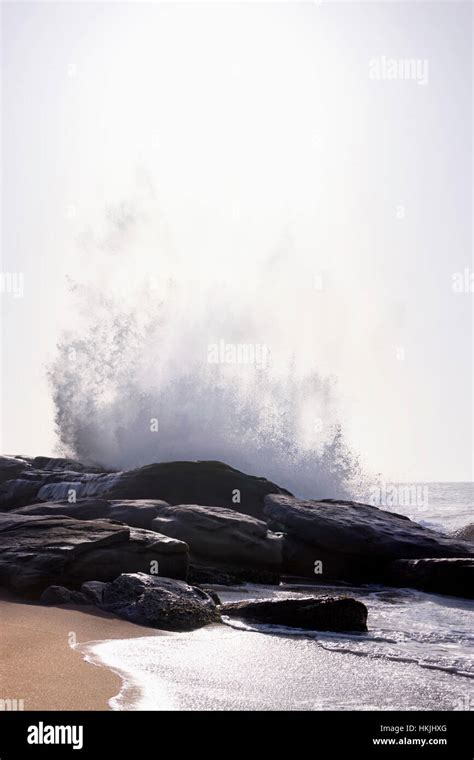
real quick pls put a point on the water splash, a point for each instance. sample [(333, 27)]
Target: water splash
[(132, 383)]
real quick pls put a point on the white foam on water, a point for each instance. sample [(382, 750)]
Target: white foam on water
[(418, 654), (136, 683), (410, 627)]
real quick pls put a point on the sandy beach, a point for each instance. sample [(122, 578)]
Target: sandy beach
[(38, 665)]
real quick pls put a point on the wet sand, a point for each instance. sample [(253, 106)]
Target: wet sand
[(38, 664)]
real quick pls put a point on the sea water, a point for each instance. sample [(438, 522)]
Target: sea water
[(417, 654)]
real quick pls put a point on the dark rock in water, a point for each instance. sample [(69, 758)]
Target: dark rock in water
[(222, 537), (159, 602), (56, 595), (309, 613), (464, 534), (37, 551), (135, 513), (93, 591), (203, 483), (230, 576), (453, 576), (343, 531)]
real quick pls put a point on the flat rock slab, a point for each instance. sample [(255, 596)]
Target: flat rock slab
[(222, 537), (309, 613), (453, 576), (217, 537), (137, 513), (350, 528), (40, 551), (159, 602)]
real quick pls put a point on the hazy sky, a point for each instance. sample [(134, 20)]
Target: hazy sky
[(278, 137)]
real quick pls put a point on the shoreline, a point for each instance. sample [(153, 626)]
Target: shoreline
[(42, 655), (81, 658)]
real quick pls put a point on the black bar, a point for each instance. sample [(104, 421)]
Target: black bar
[(316, 735)]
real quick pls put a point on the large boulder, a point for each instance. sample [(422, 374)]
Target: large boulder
[(217, 537), (356, 541), (93, 591), (311, 613), (205, 483), (221, 537), (138, 513), (454, 576), (159, 602), (144, 551), (324, 565), (40, 551)]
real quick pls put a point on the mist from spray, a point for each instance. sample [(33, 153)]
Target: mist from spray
[(133, 382)]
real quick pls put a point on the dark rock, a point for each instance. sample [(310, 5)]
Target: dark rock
[(143, 548), (59, 463), (93, 591), (230, 576), (135, 513), (213, 594), (309, 613), (60, 485), (32, 486), (352, 538), (221, 537), (56, 595), (159, 602), (37, 551), (19, 491), (11, 468), (453, 576), (322, 566), (216, 536), (204, 483), (464, 534)]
